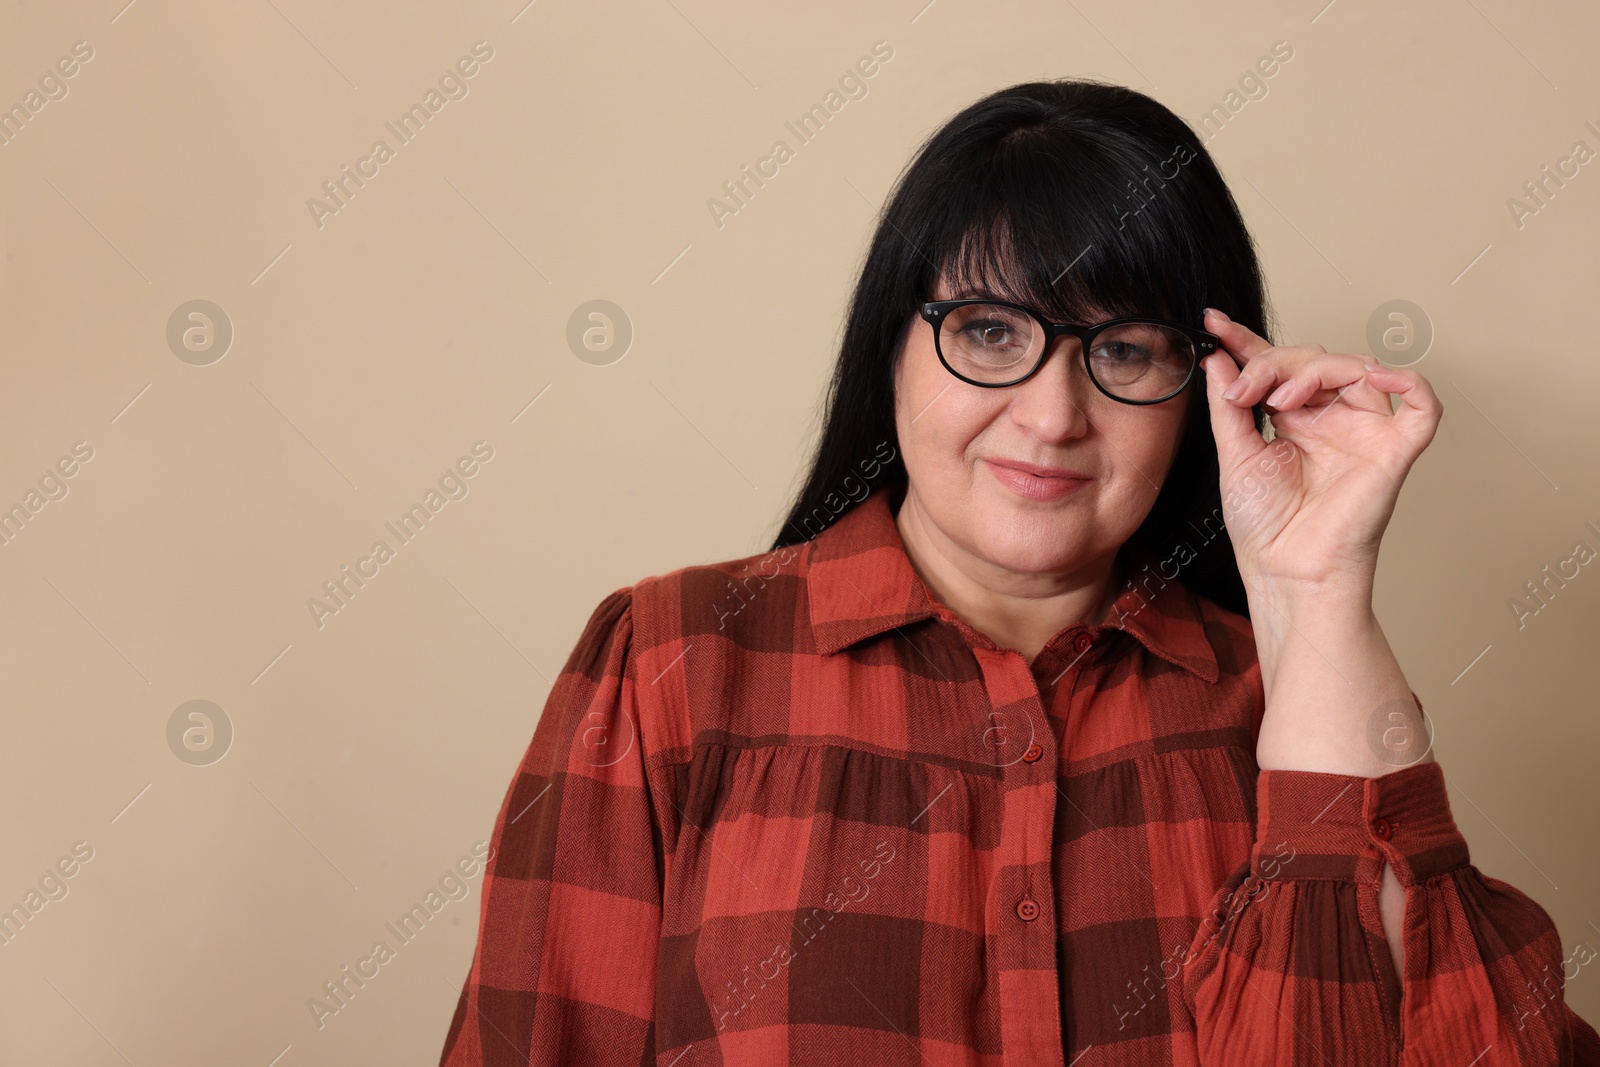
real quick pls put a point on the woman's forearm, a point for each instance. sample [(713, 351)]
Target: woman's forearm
[(1336, 701), (1336, 698)]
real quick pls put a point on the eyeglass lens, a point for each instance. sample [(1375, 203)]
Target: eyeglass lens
[(995, 344)]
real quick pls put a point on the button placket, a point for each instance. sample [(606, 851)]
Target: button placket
[(1030, 1016)]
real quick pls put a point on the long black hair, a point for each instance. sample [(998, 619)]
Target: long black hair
[(1085, 199)]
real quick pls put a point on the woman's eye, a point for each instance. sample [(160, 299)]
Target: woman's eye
[(1121, 352), (990, 334)]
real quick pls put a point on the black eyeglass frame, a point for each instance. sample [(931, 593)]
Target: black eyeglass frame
[(1205, 343)]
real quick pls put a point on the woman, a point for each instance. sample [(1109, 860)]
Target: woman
[(1057, 723)]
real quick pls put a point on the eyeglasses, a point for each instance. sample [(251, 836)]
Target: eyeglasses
[(993, 344)]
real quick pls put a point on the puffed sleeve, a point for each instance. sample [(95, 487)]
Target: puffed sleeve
[(1291, 965), (565, 966)]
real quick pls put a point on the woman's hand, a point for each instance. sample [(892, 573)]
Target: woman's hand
[(1307, 511), (1305, 515)]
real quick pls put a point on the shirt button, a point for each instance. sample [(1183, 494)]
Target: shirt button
[(1383, 828), (1034, 751), (1083, 642), (1027, 909)]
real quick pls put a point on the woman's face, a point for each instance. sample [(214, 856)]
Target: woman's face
[(954, 435)]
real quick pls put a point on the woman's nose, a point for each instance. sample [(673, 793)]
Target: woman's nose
[(1052, 403)]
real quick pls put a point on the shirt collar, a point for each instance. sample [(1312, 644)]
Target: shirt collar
[(860, 583)]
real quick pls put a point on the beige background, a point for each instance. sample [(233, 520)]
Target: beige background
[(430, 312)]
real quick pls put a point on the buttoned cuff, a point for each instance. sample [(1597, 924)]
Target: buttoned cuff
[(1313, 825)]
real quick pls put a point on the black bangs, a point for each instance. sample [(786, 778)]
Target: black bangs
[(1083, 231), (1080, 198)]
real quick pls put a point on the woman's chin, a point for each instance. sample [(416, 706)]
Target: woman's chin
[(1043, 548)]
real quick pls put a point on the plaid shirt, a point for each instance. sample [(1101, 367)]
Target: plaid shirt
[(790, 809)]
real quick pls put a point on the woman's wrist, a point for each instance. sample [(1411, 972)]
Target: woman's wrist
[(1282, 610), (1327, 670)]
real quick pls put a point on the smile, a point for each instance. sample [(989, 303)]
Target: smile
[(1034, 486)]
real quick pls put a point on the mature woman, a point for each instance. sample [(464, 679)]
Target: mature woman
[(1056, 727)]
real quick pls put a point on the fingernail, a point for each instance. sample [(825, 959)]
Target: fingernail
[(1236, 390), (1277, 395), (1219, 314)]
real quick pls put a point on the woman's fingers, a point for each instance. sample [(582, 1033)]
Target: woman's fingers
[(1233, 427), (1264, 366), (1288, 378), (1249, 370), (1241, 342), (1420, 409)]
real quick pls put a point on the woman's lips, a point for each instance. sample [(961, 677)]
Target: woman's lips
[(1034, 486)]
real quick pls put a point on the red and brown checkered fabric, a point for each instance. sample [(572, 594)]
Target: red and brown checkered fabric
[(792, 810)]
